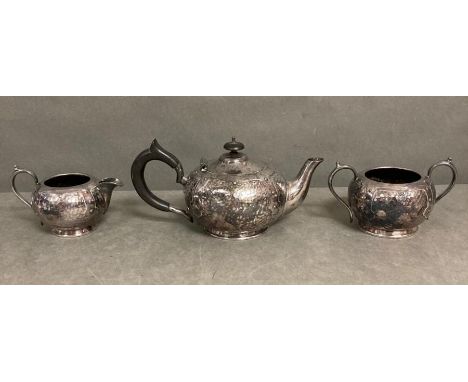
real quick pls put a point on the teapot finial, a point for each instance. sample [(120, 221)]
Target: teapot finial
[(234, 146)]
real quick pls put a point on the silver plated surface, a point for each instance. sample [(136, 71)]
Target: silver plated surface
[(391, 201), (68, 205), (231, 197)]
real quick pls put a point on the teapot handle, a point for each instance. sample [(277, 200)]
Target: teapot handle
[(452, 167), (16, 172), (338, 168), (156, 152)]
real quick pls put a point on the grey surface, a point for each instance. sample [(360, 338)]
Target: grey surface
[(314, 245), (102, 135)]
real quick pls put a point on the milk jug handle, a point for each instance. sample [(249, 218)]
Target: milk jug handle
[(16, 172)]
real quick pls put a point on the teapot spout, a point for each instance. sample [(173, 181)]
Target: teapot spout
[(107, 185), (298, 188)]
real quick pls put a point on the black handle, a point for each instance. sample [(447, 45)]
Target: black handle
[(156, 152)]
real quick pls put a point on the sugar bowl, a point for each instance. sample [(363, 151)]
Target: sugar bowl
[(391, 201)]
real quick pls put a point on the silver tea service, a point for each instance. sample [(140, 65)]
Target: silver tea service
[(71, 204), (391, 201), (231, 197)]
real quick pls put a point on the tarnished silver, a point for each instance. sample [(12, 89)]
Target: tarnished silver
[(391, 201), (231, 197), (69, 205)]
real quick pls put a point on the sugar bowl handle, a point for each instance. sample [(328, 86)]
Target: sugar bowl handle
[(448, 163), (16, 172), (156, 152), (338, 168)]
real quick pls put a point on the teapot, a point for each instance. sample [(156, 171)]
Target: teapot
[(391, 201), (231, 197), (69, 205)]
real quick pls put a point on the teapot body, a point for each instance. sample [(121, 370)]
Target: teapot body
[(230, 206)]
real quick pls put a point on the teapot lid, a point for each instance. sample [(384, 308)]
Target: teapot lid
[(234, 162)]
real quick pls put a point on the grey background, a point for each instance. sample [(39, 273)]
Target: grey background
[(102, 135)]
